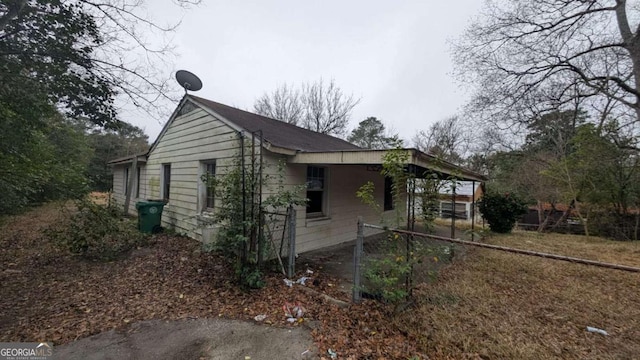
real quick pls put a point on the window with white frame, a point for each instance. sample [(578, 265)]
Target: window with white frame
[(166, 181), (459, 211), (207, 189)]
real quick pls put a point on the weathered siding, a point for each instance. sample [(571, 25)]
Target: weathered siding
[(189, 140), (198, 136), (343, 207), (118, 186)]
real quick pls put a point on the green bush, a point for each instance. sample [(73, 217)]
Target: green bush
[(96, 231), (502, 210), (251, 278), (390, 272), (386, 278)]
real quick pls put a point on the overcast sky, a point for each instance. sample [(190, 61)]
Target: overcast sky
[(394, 56)]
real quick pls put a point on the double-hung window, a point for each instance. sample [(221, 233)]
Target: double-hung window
[(166, 181), (207, 194), (316, 191)]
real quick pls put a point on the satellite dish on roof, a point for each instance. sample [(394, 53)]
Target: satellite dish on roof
[(188, 80)]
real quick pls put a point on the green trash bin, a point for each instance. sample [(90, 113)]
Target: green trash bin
[(150, 216)]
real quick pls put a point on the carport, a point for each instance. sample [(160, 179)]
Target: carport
[(419, 164)]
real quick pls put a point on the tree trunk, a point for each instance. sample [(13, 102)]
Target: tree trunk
[(540, 212), (564, 216), (635, 228), (543, 225), (583, 220), (632, 44)]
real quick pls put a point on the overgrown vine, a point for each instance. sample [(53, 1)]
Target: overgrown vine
[(240, 215), (390, 276)]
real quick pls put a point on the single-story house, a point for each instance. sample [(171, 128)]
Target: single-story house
[(466, 196), (203, 137)]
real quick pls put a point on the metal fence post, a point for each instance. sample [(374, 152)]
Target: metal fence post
[(357, 257), (291, 269), (409, 278)]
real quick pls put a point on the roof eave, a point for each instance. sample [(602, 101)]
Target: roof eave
[(376, 157), (122, 161), (278, 149), (443, 166)]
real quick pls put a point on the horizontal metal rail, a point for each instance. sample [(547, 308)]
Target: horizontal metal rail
[(274, 213), (513, 250)]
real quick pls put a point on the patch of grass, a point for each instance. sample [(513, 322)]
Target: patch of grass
[(592, 248), (512, 306), (442, 299), (460, 224), (100, 198), (486, 304)]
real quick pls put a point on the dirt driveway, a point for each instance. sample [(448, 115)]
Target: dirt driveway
[(193, 339)]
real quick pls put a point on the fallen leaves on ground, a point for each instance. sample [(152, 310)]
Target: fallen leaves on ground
[(49, 295)]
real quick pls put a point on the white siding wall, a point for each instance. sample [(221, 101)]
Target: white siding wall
[(118, 186), (198, 136), (343, 207), (190, 139)]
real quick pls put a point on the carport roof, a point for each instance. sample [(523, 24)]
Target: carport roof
[(419, 163), (142, 158)]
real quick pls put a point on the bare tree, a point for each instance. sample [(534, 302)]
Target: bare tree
[(526, 58), (85, 55), (327, 108), (317, 106), (284, 103), (447, 139)]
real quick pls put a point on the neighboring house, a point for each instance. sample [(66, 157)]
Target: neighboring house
[(467, 195), (554, 212), (204, 137)]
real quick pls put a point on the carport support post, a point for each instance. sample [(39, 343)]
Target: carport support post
[(453, 209), (357, 256), (473, 210), (291, 269), (134, 169)]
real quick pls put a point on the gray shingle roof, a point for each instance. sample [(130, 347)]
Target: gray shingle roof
[(277, 132)]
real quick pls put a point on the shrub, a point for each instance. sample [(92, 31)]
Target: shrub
[(389, 269), (386, 276), (96, 231), (251, 278), (502, 210), (607, 223)]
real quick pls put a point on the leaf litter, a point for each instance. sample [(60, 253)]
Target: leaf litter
[(49, 295)]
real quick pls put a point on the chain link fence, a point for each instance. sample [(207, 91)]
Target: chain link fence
[(389, 265)]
